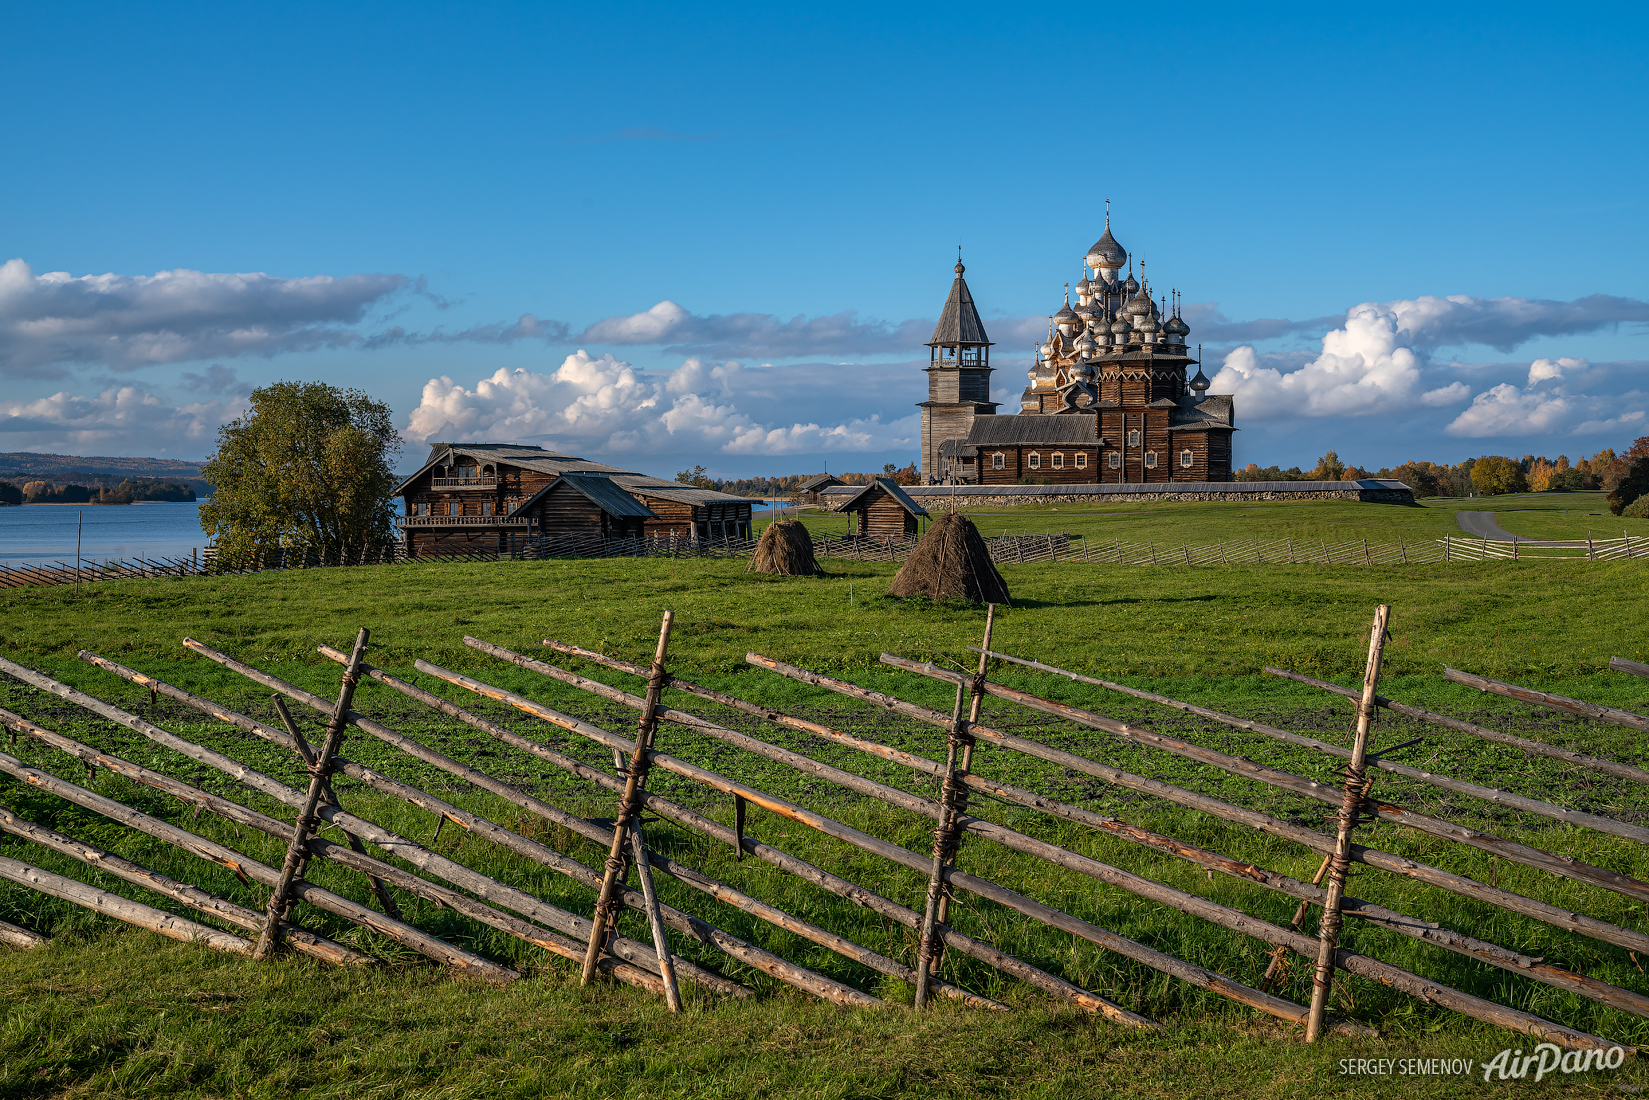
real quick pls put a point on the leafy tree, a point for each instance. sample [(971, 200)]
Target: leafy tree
[(1496, 474), (309, 465), (1329, 468), (1633, 487), (698, 477), (10, 495)]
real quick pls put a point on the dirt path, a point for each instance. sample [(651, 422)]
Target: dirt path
[(1485, 525)]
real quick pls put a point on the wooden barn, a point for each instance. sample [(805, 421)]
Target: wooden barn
[(585, 504), (810, 489), (882, 509), (491, 498)]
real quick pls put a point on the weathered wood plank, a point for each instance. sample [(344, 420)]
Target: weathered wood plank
[(13, 936), (1547, 699), (1535, 748)]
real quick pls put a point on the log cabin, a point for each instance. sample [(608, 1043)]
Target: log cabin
[(882, 509), (494, 497)]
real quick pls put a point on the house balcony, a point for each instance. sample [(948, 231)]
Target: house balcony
[(464, 482), (462, 521)]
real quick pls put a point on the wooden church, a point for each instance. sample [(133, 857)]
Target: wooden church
[(1108, 399)]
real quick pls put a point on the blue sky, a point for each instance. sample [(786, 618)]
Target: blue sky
[(745, 217)]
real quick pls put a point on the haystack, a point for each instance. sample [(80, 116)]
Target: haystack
[(951, 560), (785, 548)]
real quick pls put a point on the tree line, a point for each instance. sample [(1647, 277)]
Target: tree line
[(126, 491), (1624, 476)]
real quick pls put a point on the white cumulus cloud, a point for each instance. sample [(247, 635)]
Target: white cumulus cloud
[(1450, 394), (603, 405), (128, 321), (1507, 410), (1364, 368), (119, 420), (1542, 370)]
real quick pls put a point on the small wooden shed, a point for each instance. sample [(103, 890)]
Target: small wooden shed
[(881, 508), (585, 504), (810, 489)]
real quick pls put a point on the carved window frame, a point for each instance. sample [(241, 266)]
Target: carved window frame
[(1133, 437), (1059, 460), (999, 461), (1150, 460), (1033, 461), (1082, 460), (1187, 458), (1116, 460)]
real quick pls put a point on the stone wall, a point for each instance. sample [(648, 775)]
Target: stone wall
[(945, 497)]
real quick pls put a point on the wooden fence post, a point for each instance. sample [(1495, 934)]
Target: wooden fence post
[(297, 853), (1350, 807), (628, 819), (953, 802)]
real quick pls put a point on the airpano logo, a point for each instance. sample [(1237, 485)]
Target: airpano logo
[(1547, 1058), (1508, 1065)]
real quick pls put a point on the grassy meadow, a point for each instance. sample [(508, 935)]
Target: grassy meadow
[(108, 1010)]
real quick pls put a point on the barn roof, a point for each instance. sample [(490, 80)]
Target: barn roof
[(598, 489), (1033, 429), (646, 485), (819, 481), (891, 488)]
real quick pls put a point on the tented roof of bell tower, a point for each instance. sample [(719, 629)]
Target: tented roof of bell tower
[(959, 323)]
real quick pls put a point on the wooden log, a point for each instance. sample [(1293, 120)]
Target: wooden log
[(953, 800), (415, 854), (13, 936), (132, 912), (297, 851), (1535, 748), (1621, 664), (1488, 794), (1561, 865), (693, 926), (605, 906), (1328, 927), (462, 961), (1547, 699), (1310, 838), (330, 797), (193, 896), (1036, 910)]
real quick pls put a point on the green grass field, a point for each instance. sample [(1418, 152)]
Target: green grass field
[(112, 1011), (1538, 515)]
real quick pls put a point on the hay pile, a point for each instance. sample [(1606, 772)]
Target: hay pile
[(785, 548), (951, 560)]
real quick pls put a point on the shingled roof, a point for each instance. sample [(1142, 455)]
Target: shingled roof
[(1033, 429), (959, 323)]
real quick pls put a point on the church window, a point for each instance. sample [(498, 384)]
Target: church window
[(1186, 458), (998, 460), (1151, 459), (1035, 461), (1082, 460), (1116, 460), (1133, 438), (1059, 460)]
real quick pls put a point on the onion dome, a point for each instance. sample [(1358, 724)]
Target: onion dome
[(1106, 252), (1085, 344), (1085, 286), (1121, 326), (1131, 284), (1147, 323), (1176, 327), (1200, 383), (1140, 305), (1067, 316)]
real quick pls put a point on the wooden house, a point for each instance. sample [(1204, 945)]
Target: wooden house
[(810, 489), (492, 498), (882, 509)]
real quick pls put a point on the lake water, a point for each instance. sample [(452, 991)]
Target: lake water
[(39, 534)]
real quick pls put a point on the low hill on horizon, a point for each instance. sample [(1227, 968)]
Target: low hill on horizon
[(20, 466)]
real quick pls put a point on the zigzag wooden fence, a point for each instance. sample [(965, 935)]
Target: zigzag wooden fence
[(395, 864)]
